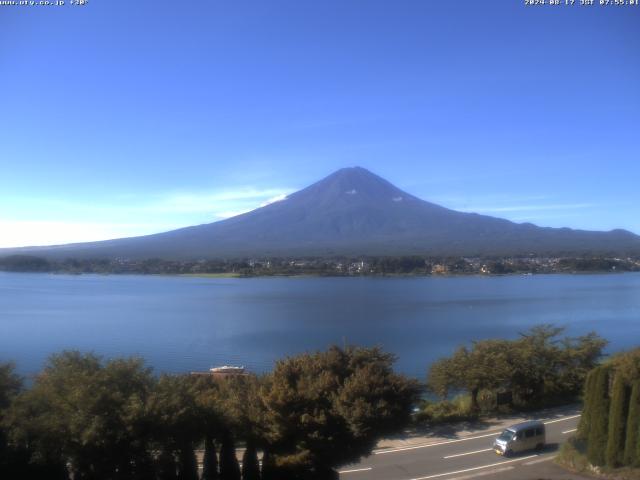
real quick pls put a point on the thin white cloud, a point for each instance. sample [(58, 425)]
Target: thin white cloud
[(532, 208), (218, 202), (19, 233), (159, 204), (277, 198), (231, 213), (548, 217), (498, 199), (132, 215)]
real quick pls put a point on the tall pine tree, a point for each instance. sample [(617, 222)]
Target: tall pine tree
[(167, 465), (585, 420), (229, 468), (250, 465), (599, 417), (268, 468), (632, 443), (617, 422), (210, 461), (187, 463)]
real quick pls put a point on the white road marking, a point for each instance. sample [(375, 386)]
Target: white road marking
[(492, 434), (355, 470), (482, 474), (570, 431), (401, 449), (467, 453), (562, 419), (540, 460), (474, 468)]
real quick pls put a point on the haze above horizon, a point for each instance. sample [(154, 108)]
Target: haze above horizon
[(129, 118)]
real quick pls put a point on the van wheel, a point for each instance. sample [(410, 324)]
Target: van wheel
[(508, 453), (539, 446)]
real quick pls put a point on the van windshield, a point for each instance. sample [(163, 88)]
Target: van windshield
[(507, 435)]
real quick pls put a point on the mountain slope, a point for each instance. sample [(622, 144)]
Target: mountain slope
[(352, 212)]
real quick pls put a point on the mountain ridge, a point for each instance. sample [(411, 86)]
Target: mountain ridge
[(351, 212)]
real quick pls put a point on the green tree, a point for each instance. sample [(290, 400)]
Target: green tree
[(584, 426), (177, 420), (214, 417), (10, 385), (243, 412), (618, 412), (488, 365), (539, 367), (598, 428), (578, 356), (632, 442), (187, 464), (229, 467), (442, 376), (250, 464), (627, 364), (327, 409), (167, 466), (610, 423), (24, 263), (537, 363), (210, 460), (88, 413), (268, 470), (11, 462)]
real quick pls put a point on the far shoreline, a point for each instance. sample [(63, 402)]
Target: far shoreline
[(364, 266), (231, 275)]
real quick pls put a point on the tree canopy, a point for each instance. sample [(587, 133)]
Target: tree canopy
[(537, 367), (115, 420), (327, 409)]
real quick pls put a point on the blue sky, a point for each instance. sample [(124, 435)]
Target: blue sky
[(129, 117)]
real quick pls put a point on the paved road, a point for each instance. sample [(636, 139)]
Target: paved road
[(462, 458)]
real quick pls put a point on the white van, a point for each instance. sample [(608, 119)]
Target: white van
[(520, 437)]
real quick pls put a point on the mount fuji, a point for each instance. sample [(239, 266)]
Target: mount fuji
[(351, 212)]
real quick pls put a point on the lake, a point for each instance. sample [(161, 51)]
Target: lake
[(181, 324)]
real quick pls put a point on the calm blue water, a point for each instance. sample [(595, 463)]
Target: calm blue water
[(181, 324)]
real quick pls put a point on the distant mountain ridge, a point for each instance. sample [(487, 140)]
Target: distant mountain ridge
[(351, 212)]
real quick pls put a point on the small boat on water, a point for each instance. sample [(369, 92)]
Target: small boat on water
[(227, 369)]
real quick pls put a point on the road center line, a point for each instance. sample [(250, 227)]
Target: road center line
[(492, 434), (467, 453), (540, 460), (570, 431), (561, 419), (401, 449), (474, 468), (484, 474), (355, 470)]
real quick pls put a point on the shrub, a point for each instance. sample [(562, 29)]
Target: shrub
[(572, 455), (455, 410)]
